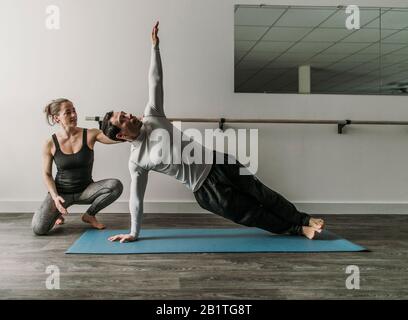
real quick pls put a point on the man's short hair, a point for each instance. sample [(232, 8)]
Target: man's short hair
[(108, 128)]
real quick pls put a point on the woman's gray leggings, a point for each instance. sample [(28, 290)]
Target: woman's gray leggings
[(99, 194)]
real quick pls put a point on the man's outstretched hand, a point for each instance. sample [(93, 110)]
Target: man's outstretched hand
[(122, 238), (155, 38)]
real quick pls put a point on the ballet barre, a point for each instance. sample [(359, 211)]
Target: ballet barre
[(341, 124)]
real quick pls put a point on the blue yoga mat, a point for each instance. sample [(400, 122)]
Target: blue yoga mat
[(208, 240)]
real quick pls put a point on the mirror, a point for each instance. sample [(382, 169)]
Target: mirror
[(336, 50)]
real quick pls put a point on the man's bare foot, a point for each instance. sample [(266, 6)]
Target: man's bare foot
[(316, 223), (309, 232), (60, 220), (92, 221)]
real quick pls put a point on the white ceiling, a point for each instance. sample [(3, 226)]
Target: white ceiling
[(272, 41)]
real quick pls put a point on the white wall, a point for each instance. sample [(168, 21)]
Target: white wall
[(99, 59)]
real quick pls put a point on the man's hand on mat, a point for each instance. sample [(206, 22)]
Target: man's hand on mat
[(155, 38), (58, 203), (122, 238)]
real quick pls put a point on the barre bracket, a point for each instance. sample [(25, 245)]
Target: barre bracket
[(221, 124), (341, 125)]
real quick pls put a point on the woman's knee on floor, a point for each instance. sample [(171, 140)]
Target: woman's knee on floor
[(40, 228)]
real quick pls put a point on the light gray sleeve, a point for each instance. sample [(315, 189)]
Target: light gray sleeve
[(155, 104), (137, 190)]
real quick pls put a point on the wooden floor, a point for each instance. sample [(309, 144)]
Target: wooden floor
[(25, 257)]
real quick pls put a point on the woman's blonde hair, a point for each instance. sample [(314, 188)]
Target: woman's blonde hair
[(52, 109)]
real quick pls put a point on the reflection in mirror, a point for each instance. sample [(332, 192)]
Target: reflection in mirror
[(343, 50)]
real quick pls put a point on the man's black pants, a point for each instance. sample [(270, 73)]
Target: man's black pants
[(243, 199)]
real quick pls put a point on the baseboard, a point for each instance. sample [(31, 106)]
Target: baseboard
[(193, 207)]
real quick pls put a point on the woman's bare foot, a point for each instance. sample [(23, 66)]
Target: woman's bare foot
[(60, 220), (92, 221), (309, 232), (316, 223)]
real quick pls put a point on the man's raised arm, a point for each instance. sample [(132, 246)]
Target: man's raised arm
[(155, 105)]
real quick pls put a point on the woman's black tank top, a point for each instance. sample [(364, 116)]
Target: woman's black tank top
[(74, 171)]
